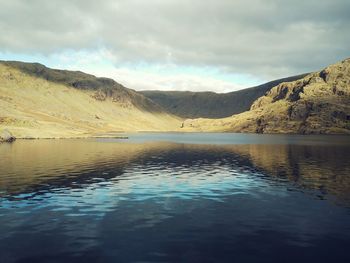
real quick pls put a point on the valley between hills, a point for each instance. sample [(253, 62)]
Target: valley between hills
[(39, 102)]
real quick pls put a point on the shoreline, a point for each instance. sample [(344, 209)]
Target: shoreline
[(121, 137), (74, 137), (126, 135)]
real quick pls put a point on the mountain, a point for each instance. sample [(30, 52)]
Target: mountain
[(39, 102), (188, 104), (319, 103), (36, 101)]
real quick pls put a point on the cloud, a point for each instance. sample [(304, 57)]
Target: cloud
[(181, 82), (264, 38), (144, 76)]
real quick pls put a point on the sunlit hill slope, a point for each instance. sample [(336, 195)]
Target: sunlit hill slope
[(319, 103), (36, 101)]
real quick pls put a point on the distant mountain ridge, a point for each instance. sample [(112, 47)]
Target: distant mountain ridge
[(188, 104)]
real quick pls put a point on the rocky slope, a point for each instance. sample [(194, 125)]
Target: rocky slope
[(188, 104), (319, 103), (36, 101)]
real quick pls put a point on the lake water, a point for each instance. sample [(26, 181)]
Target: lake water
[(176, 198)]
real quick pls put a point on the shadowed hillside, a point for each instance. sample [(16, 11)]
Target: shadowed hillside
[(188, 104)]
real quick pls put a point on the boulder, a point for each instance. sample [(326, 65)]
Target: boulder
[(6, 136)]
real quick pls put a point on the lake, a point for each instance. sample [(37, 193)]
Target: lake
[(176, 198)]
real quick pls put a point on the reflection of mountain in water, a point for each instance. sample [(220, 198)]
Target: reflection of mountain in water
[(319, 167), (29, 166)]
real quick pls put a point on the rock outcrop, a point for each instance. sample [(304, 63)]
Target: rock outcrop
[(319, 103), (6, 136)]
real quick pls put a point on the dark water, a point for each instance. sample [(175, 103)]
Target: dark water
[(176, 198)]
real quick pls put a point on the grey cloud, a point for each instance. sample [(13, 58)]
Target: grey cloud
[(267, 38)]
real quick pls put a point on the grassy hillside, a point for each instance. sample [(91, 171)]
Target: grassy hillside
[(39, 102), (209, 104), (317, 103), (103, 87), (36, 101)]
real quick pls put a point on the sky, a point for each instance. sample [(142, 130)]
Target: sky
[(212, 45)]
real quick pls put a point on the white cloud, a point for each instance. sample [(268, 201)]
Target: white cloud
[(182, 82), (142, 76), (99, 64), (265, 38)]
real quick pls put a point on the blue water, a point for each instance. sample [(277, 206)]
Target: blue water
[(176, 198), (237, 138)]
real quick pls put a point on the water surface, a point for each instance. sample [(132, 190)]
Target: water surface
[(176, 198)]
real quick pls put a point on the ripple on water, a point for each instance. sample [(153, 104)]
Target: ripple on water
[(160, 198)]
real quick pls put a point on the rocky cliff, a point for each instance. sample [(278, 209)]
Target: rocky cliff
[(319, 103)]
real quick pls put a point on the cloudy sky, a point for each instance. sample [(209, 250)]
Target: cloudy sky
[(217, 45)]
